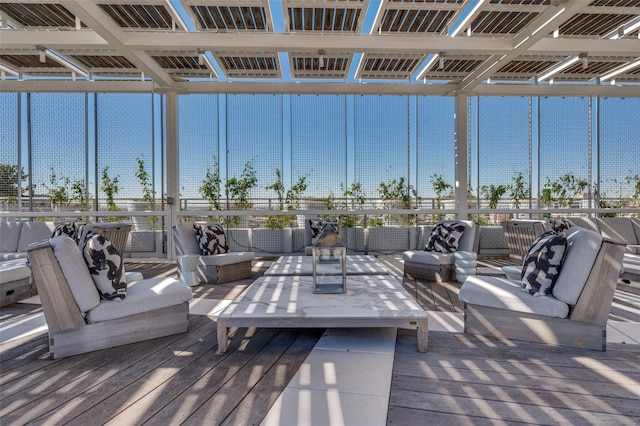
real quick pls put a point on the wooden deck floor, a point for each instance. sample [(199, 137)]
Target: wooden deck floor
[(182, 380)]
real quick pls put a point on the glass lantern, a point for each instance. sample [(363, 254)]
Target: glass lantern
[(329, 257)]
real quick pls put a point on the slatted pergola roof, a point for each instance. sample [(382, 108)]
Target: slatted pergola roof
[(323, 46)]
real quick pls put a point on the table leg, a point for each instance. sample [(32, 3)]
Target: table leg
[(423, 334), (222, 336)]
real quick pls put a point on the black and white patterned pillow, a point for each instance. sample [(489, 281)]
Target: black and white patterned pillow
[(211, 239), (445, 237), (541, 266), (68, 229), (105, 266), (559, 225)]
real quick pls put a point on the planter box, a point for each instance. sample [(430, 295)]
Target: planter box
[(239, 239), (267, 240)]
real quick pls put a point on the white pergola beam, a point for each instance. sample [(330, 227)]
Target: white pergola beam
[(566, 90)]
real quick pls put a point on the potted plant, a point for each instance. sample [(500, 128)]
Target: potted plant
[(210, 187)]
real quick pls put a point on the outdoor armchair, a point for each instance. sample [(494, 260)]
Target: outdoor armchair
[(575, 311), (438, 266), (216, 263)]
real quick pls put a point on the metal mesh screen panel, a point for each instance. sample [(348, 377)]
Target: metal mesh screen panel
[(9, 151), (503, 148), (58, 148), (254, 133), (124, 133), (619, 149), (563, 142), (435, 145), (199, 142), (381, 140), (319, 142)]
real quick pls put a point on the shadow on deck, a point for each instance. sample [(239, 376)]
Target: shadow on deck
[(181, 379)]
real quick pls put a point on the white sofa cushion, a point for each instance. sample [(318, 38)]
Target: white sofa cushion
[(582, 248), (34, 232), (428, 257), (501, 293), (618, 229), (142, 296), (14, 270), (227, 258), (586, 223), (9, 236), (76, 272), (14, 255)]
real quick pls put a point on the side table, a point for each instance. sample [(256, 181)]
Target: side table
[(188, 269)]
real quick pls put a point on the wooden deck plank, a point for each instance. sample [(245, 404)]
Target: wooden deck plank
[(120, 389), (462, 379), (60, 390), (475, 380), (220, 406), (252, 408)]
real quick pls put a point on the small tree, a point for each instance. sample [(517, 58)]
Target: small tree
[(494, 193), (443, 190), (518, 189), (210, 187), (562, 190), (58, 189), (397, 194), (10, 180), (145, 182), (240, 189), (79, 193), (110, 188), (291, 198)]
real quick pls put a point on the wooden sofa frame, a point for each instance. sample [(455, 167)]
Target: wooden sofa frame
[(69, 334), (586, 325)]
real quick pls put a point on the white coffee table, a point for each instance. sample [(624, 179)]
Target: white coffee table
[(357, 264), (289, 302)]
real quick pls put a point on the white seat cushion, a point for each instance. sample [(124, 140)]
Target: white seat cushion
[(428, 257), (501, 293), (230, 258), (142, 296)]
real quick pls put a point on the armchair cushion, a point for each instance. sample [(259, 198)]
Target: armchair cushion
[(10, 233), (429, 257), (105, 266), (76, 273), (143, 296), (230, 258), (582, 248), (501, 293), (34, 232), (542, 263), (211, 239), (445, 237)]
